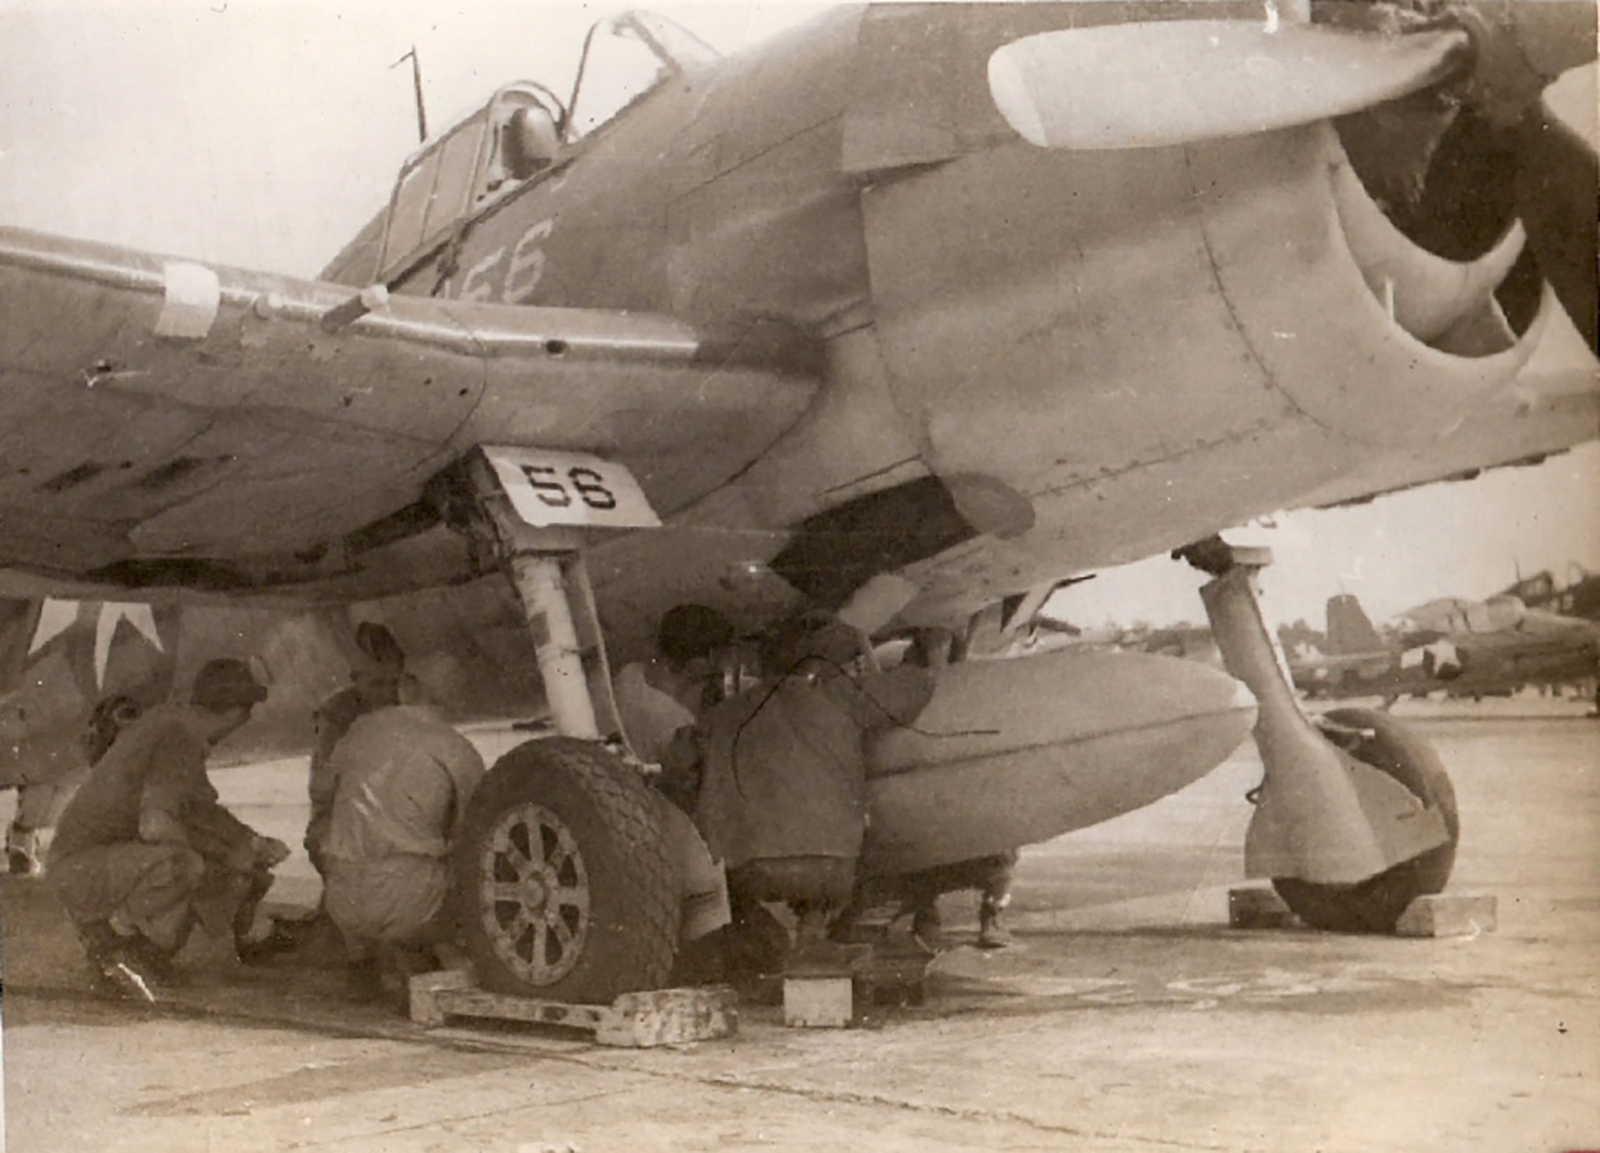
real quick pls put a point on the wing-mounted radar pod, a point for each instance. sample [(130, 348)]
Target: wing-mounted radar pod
[(1348, 835)]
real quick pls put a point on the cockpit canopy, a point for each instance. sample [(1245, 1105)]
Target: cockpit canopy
[(525, 128)]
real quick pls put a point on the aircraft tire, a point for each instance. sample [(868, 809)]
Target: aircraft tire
[(565, 886), (1375, 905)]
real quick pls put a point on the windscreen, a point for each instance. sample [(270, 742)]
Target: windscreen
[(624, 58)]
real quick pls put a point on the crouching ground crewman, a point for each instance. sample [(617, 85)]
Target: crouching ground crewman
[(145, 850), (782, 798), (405, 776), (376, 673)]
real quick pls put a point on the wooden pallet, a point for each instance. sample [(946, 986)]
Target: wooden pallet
[(634, 1020)]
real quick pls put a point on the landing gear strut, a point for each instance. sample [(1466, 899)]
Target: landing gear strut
[(1350, 829), (567, 888)]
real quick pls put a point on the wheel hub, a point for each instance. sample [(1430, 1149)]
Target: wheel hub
[(534, 894)]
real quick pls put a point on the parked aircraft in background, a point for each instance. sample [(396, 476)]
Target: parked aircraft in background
[(916, 308), (1477, 649), (1578, 597)]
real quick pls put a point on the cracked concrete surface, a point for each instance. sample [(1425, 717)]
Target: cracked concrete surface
[(1127, 1018)]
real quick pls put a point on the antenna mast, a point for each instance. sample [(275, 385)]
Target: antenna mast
[(416, 84)]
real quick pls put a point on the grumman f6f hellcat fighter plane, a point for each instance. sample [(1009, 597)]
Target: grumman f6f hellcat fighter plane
[(1460, 648), (932, 307)]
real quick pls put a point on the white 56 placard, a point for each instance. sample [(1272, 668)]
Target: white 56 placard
[(548, 487)]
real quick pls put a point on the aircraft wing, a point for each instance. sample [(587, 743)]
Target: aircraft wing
[(166, 422), (1499, 620)]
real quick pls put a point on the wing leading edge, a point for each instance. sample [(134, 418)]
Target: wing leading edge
[(166, 422)]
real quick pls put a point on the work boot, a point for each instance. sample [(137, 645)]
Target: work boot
[(992, 933), (124, 977), (278, 939), (244, 913), (154, 962), (100, 941), (397, 964), (119, 968)]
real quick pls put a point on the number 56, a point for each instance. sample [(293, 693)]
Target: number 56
[(552, 491)]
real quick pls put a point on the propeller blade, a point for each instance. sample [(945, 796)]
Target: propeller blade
[(1558, 198), (1527, 77), (1173, 82), (1520, 47)]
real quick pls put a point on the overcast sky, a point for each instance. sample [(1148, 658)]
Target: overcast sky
[(264, 134)]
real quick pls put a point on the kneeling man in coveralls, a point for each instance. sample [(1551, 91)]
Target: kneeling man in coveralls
[(404, 776), (782, 798), (145, 849)]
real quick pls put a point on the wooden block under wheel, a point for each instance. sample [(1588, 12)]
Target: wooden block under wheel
[(1449, 915), (818, 1002), (1258, 907), (635, 1020)]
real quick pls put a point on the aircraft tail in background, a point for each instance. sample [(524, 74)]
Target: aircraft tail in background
[(1350, 630)]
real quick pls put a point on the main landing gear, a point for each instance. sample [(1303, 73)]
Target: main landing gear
[(567, 890), (1356, 817)]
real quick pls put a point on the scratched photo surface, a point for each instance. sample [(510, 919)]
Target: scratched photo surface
[(1207, 391)]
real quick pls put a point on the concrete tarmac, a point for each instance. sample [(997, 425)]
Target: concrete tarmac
[(1128, 1017)]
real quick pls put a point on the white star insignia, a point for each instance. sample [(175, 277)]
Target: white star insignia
[(57, 616)]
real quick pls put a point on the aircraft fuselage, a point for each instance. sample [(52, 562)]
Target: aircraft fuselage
[(925, 346), (1061, 338)]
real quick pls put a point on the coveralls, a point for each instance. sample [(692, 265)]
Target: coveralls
[(654, 719), (651, 716), (145, 840), (782, 798), (405, 776), (333, 720)]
